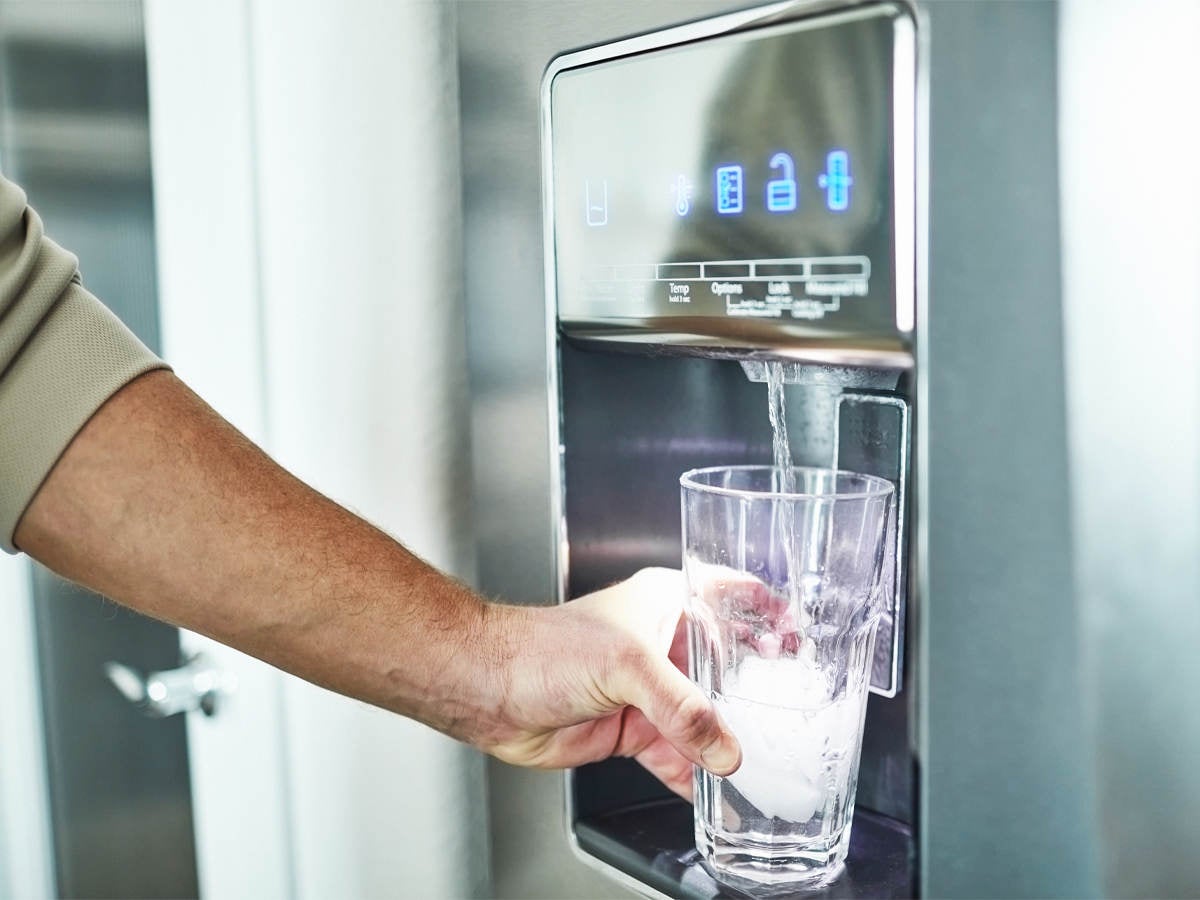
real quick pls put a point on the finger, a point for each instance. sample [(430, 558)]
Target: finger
[(770, 622), (710, 582), (678, 654), (627, 733), (666, 764), (641, 740), (654, 600), (681, 713)]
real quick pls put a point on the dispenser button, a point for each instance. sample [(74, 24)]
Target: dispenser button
[(781, 192), (595, 192), (729, 190), (836, 180)]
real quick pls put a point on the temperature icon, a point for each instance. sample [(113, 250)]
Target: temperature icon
[(682, 189)]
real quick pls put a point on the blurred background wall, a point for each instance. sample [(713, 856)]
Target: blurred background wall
[(306, 196)]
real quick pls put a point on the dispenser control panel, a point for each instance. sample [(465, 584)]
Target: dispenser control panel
[(756, 186)]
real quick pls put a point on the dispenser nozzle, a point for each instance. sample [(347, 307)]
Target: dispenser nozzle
[(843, 377)]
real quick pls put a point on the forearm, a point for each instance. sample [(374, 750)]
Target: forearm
[(166, 508), (163, 506)]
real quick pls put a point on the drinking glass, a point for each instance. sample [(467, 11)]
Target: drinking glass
[(785, 584)]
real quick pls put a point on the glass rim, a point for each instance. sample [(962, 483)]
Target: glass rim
[(876, 486)]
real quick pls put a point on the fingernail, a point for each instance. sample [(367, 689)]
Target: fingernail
[(722, 756)]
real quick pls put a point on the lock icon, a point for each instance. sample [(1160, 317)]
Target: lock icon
[(781, 192)]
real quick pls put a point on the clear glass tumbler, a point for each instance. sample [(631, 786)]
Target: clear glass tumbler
[(784, 592)]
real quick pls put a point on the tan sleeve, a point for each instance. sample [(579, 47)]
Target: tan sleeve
[(62, 354)]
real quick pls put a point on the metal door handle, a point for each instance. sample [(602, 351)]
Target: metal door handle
[(197, 684)]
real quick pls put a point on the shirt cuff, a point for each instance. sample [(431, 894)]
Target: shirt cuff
[(79, 356)]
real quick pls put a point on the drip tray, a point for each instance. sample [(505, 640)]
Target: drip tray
[(653, 843)]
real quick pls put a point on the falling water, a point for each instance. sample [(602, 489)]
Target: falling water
[(777, 411), (785, 512)]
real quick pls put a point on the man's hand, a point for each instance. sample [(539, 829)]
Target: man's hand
[(601, 676)]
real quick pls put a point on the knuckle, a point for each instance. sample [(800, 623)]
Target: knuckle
[(631, 660), (655, 578)]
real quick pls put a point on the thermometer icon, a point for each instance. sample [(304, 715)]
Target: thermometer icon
[(683, 195)]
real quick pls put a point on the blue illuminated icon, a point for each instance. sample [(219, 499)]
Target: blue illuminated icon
[(729, 190), (595, 194), (781, 192), (682, 189), (836, 180)]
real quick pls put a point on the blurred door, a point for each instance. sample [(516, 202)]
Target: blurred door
[(142, 133), (75, 136), (137, 805)]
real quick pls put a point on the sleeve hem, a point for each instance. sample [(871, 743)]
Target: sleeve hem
[(79, 357)]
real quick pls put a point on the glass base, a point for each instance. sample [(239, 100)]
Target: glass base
[(776, 868)]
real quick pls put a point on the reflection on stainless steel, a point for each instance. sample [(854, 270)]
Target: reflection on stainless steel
[(742, 340)]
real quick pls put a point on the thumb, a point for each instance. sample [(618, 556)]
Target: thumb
[(681, 713)]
